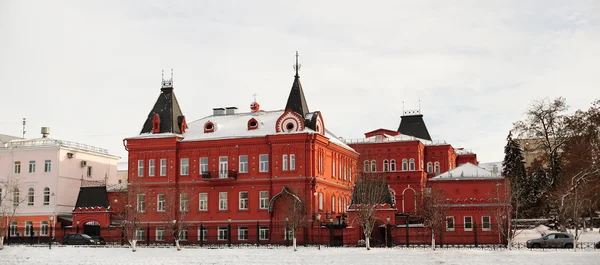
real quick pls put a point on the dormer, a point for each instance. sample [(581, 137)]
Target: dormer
[(209, 127), (252, 124), (289, 121), (156, 123)]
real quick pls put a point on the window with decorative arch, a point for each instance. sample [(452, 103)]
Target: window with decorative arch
[(411, 164), (30, 197), (209, 127), (366, 166), (386, 165), (252, 124), (373, 166), (436, 168), (429, 167), (46, 196), (404, 164), (393, 165)]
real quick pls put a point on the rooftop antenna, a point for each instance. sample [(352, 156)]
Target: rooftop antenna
[(24, 123), (402, 107), (297, 65), (254, 95), (419, 105)]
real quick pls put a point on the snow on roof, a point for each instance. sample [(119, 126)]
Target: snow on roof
[(155, 135), (462, 151), (494, 167), (467, 171), (391, 138), (117, 187), (7, 138), (54, 142)]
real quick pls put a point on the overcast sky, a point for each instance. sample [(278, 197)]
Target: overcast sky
[(91, 70)]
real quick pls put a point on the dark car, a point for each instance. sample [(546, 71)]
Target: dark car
[(597, 245), (78, 239), (553, 240), (99, 240)]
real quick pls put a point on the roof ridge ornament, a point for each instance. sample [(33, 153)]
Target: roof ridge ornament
[(297, 65), (167, 83)]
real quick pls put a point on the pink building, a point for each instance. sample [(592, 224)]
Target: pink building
[(41, 177)]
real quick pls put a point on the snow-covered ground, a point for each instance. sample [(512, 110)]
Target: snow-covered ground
[(20, 255), (523, 236)]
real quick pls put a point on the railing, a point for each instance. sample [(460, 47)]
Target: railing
[(53, 142), (391, 140), (229, 174)]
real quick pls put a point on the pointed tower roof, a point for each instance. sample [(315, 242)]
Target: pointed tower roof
[(296, 100), (412, 123), (166, 112)]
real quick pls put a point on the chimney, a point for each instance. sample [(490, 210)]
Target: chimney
[(45, 132), (218, 111), (230, 110)]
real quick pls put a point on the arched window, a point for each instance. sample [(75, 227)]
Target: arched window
[(437, 168), (373, 166), (340, 205), (404, 164), (411, 164), (386, 166), (429, 167), (16, 197), (46, 196), (30, 197), (332, 204), (366, 169), (392, 165)]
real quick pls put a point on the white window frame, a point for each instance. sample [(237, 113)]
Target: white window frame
[(184, 202), (203, 165), (333, 168), (284, 163), (222, 234), (429, 168), (333, 203), (386, 165), (183, 234), (292, 162), (243, 202), (163, 167), (263, 233), (223, 201), (263, 162), (393, 165), (160, 234), (46, 200), (140, 203), (243, 164), (203, 201), (139, 234), (242, 233), (44, 228), (28, 228), (264, 199), (151, 167), (202, 231), (404, 164), (30, 197), (32, 166), (13, 228), (160, 204), (411, 164), (373, 166), (320, 201), (140, 168), (223, 167), (436, 168), (366, 166), (448, 228), (184, 169), (470, 223), (47, 165), (17, 167), (484, 223)]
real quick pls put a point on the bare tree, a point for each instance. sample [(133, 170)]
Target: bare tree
[(509, 200), (434, 211), (294, 212), (370, 191), (10, 200), (132, 212)]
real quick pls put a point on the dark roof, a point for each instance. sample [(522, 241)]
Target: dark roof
[(414, 125), (296, 100), (168, 111), (92, 197), (372, 184)]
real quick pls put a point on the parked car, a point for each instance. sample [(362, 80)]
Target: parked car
[(78, 239), (597, 245), (553, 240), (99, 240)]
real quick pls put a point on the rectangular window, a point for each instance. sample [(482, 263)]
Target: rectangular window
[(449, 223), (223, 235), (320, 201), (44, 228), (183, 202), (242, 233), (284, 163), (32, 166), (202, 234), (287, 235), (203, 202), (264, 163), (160, 205), (139, 234), (185, 167), (47, 165), (140, 168), (264, 200), (203, 165), (28, 228), (292, 162), (160, 234), (243, 164), (163, 167), (183, 234), (89, 171), (468, 223), (332, 204), (17, 167), (151, 167), (263, 233), (333, 168), (223, 167), (141, 203), (13, 228), (244, 200), (222, 200), (485, 223)]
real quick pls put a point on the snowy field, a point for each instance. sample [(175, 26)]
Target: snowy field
[(147, 256)]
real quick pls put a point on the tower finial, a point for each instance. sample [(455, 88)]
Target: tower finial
[(297, 65), (167, 83)]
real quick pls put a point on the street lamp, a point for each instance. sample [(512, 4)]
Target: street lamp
[(319, 231), (50, 235)]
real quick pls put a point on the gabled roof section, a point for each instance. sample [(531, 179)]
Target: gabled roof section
[(92, 197), (296, 100), (7, 138), (411, 123), (168, 110), (467, 171)]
